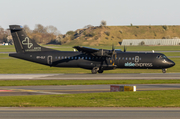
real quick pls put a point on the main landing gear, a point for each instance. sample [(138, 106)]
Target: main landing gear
[(96, 69), (164, 70)]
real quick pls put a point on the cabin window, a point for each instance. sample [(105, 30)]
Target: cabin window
[(71, 57), (136, 58), (116, 58), (129, 58), (82, 57), (79, 57), (75, 57), (86, 58), (139, 58), (59, 57), (133, 58), (65, 57), (56, 57), (62, 57), (89, 57), (119, 58), (123, 58), (126, 58)]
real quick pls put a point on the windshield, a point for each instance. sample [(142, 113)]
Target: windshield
[(161, 57)]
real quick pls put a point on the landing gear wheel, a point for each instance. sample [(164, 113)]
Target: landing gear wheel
[(164, 70), (100, 71), (94, 70)]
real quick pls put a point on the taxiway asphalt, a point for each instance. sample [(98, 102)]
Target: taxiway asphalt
[(71, 89), (68, 89), (89, 113), (89, 76)]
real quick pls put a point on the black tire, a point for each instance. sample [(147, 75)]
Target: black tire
[(164, 70), (100, 71), (94, 71)]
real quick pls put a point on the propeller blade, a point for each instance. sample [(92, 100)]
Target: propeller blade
[(113, 48), (124, 48), (113, 54)]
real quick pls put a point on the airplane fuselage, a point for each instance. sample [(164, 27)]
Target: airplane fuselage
[(143, 60)]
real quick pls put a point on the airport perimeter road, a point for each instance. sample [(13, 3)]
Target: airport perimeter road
[(89, 113), (89, 76)]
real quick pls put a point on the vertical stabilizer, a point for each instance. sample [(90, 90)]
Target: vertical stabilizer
[(23, 43)]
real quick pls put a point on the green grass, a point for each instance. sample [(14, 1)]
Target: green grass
[(9, 48), (165, 98), (82, 82), (171, 53)]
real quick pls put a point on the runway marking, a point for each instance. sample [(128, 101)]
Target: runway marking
[(35, 91), (5, 90)]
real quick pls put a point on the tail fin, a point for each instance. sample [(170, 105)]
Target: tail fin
[(23, 43)]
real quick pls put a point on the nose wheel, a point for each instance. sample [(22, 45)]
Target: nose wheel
[(95, 70), (164, 70)]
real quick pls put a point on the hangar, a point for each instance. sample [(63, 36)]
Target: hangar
[(150, 42)]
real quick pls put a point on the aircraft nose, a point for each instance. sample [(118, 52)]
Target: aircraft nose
[(171, 63)]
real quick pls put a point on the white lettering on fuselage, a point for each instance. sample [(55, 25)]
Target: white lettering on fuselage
[(137, 64), (130, 64), (40, 57)]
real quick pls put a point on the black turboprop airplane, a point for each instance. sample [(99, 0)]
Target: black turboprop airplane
[(97, 60)]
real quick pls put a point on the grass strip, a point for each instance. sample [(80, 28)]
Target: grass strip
[(165, 98), (82, 82)]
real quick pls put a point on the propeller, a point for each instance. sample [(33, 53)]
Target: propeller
[(125, 48), (113, 54), (113, 48)]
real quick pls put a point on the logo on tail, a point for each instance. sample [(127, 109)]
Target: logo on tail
[(26, 42)]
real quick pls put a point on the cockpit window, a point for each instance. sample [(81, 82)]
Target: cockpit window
[(161, 57), (164, 57)]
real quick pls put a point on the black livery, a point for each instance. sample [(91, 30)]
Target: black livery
[(97, 60)]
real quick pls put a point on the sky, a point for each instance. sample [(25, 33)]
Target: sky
[(68, 15)]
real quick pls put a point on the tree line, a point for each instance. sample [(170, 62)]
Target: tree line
[(49, 34), (41, 34)]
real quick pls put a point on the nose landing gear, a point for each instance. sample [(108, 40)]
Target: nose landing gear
[(96, 69), (164, 70)]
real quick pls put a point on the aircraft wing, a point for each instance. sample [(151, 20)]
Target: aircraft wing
[(94, 51), (86, 49)]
